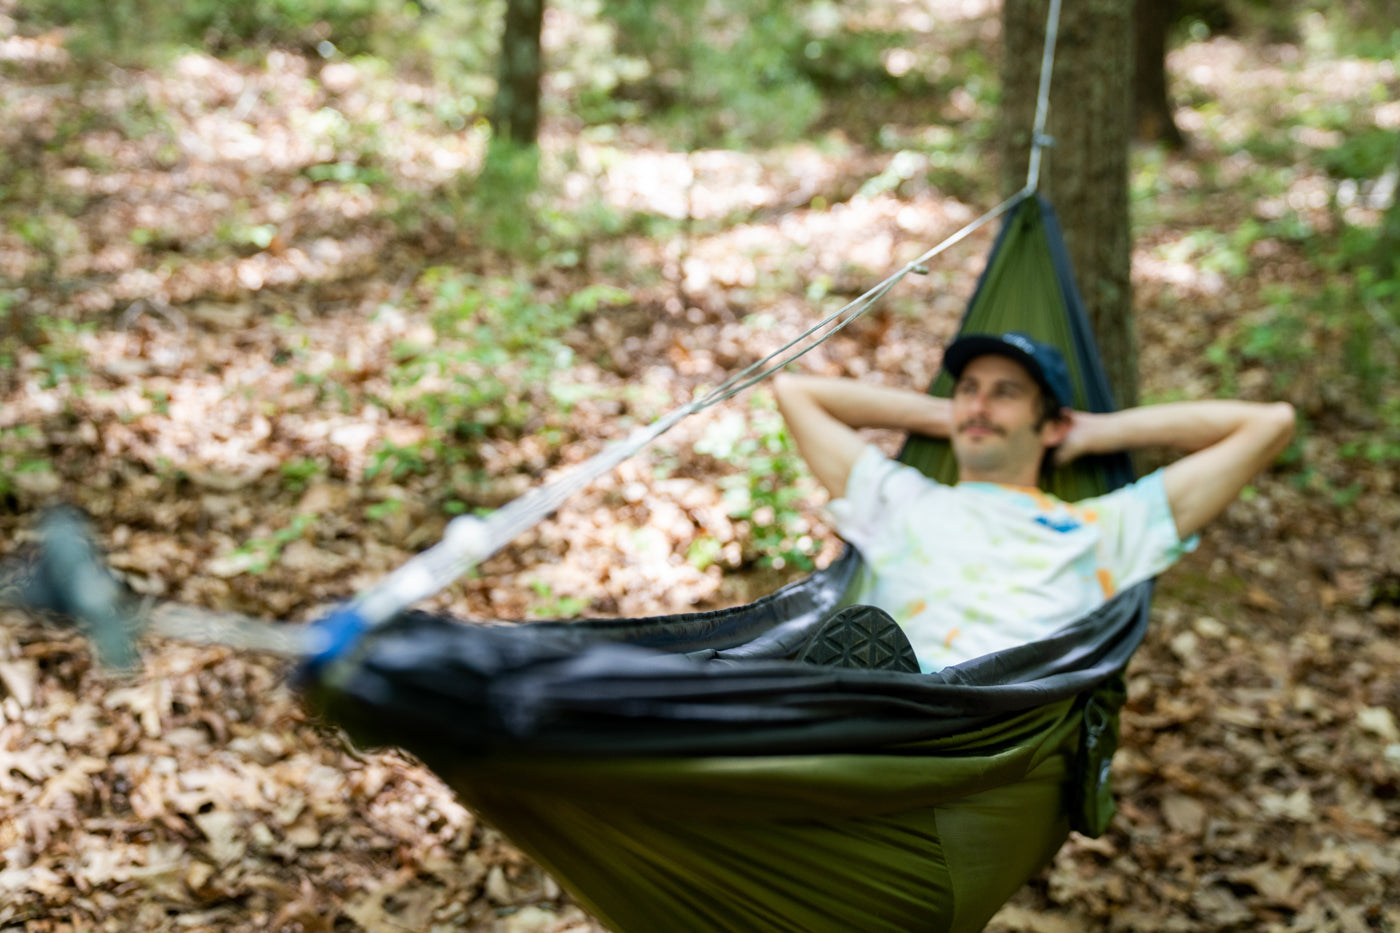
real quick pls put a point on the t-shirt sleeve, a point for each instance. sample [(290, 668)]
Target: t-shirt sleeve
[(876, 484), (1137, 531)]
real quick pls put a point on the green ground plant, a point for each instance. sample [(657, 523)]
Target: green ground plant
[(257, 555), (1345, 333), (300, 472), (550, 605), (58, 342), (766, 492), (491, 369), (132, 31), (681, 72), (21, 454)]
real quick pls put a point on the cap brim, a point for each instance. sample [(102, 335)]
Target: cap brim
[(966, 349)]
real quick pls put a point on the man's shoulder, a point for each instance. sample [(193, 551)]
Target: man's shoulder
[(875, 462), (1144, 487)]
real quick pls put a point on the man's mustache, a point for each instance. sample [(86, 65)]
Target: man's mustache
[(979, 423)]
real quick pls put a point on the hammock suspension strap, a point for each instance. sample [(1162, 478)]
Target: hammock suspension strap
[(1039, 139)]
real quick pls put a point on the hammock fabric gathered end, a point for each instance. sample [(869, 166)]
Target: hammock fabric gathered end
[(685, 773)]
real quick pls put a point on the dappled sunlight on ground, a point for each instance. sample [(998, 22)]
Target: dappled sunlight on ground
[(250, 301)]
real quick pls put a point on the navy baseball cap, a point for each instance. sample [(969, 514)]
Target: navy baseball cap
[(1042, 361)]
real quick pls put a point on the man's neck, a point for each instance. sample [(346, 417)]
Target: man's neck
[(1027, 477)]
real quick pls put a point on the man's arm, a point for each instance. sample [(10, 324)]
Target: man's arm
[(1228, 443), (824, 414)]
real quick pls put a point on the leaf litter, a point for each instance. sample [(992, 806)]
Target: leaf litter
[(1259, 782)]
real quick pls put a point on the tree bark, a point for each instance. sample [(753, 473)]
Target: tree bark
[(1152, 107), (1085, 173), (516, 109)]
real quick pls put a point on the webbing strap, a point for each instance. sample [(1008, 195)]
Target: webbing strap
[(1042, 101)]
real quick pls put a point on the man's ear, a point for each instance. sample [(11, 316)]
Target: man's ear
[(1055, 430)]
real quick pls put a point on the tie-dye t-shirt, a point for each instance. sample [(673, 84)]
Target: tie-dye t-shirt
[(974, 568)]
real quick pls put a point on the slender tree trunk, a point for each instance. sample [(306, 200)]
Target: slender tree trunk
[(1085, 172), (516, 109), (1152, 108)]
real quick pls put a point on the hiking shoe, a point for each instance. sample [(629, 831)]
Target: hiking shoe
[(861, 637)]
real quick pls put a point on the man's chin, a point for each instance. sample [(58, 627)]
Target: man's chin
[(973, 442), (976, 456)]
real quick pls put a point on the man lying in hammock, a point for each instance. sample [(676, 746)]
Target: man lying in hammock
[(993, 561)]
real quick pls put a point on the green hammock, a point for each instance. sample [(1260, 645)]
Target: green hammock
[(683, 773)]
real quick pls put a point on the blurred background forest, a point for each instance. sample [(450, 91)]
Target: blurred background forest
[(286, 284)]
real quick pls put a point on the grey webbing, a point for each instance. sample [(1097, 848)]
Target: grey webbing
[(1042, 100)]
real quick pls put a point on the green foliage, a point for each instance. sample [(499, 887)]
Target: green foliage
[(347, 173), (300, 472), (904, 166), (58, 341), (1275, 338), (502, 199), (400, 462), (1346, 334), (329, 390), (946, 158), (1361, 28), (512, 206), (21, 452), (1336, 331), (384, 510), (1216, 251), (495, 358), (844, 58), (129, 29), (459, 43), (1364, 155), (1378, 449), (767, 491), (709, 72), (704, 551), (257, 555), (549, 605)]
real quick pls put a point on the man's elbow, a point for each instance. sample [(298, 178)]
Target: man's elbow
[(784, 386), (1282, 421)]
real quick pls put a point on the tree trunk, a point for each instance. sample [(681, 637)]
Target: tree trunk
[(516, 109), (1085, 173), (1152, 108)]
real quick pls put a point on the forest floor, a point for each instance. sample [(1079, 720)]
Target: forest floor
[(257, 375)]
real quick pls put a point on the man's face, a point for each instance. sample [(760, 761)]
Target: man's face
[(996, 404)]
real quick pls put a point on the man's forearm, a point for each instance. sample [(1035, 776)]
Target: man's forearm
[(1227, 443), (1184, 426), (859, 405)]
